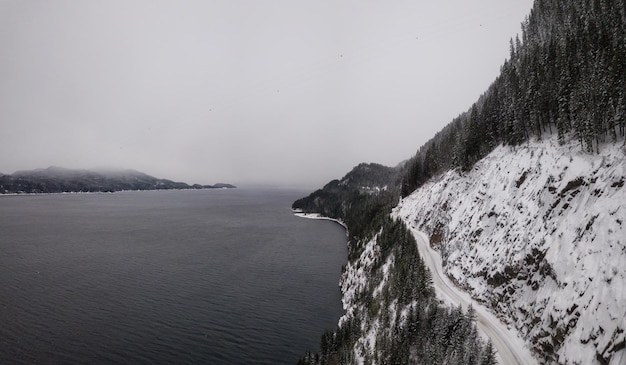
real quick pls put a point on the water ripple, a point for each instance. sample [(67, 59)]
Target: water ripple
[(165, 277)]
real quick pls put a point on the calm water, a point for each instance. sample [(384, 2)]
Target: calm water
[(198, 277)]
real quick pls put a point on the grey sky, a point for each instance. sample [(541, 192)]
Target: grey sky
[(288, 92)]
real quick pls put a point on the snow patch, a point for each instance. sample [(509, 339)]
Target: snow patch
[(537, 233)]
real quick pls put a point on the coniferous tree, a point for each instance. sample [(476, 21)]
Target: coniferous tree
[(489, 357), (566, 74)]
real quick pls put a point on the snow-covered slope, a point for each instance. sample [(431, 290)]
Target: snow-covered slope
[(537, 232)]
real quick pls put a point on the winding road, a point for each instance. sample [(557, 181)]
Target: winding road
[(510, 348)]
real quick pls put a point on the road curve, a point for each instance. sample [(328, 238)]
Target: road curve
[(510, 348)]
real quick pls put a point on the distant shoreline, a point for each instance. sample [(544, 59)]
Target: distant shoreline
[(56, 179), (107, 192)]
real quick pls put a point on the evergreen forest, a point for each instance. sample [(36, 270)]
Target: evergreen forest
[(566, 75)]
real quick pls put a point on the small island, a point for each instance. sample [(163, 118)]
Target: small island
[(61, 180)]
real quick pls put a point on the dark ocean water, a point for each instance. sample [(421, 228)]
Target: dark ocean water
[(165, 277)]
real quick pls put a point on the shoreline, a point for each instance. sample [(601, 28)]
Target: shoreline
[(301, 214)]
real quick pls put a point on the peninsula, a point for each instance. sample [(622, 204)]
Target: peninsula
[(61, 180)]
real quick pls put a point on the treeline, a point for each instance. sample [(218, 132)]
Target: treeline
[(565, 75), (429, 333)]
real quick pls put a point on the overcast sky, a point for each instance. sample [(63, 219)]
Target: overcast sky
[(278, 91)]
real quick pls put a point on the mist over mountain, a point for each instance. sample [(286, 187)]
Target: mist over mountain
[(61, 180)]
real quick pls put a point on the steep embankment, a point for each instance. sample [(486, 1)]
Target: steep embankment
[(510, 347), (537, 233), (392, 315)]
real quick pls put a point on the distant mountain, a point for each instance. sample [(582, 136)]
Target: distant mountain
[(222, 186), (59, 180), (366, 178)]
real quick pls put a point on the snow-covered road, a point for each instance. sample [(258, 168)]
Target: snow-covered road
[(510, 348)]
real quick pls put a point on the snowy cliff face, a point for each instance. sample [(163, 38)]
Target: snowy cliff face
[(354, 286), (538, 233)]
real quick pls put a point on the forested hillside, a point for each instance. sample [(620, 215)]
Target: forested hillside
[(565, 84), (361, 199), (393, 316), (566, 75)]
